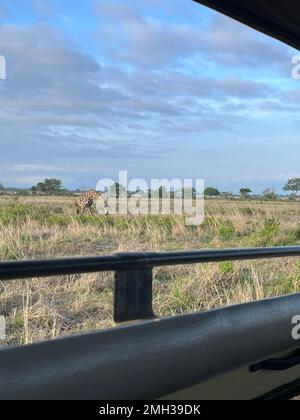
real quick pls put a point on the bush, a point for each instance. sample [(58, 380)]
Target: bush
[(270, 229), (226, 231), (226, 268)]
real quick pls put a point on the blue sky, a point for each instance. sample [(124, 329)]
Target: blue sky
[(162, 88)]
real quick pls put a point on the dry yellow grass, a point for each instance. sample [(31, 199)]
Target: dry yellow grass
[(33, 227)]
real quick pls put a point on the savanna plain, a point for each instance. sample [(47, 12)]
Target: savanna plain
[(47, 227)]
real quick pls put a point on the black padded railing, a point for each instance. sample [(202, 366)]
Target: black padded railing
[(134, 272)]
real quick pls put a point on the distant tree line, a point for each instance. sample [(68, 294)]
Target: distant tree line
[(292, 186), (54, 186)]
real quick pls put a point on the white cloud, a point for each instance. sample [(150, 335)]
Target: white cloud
[(146, 88), (27, 167), (284, 176)]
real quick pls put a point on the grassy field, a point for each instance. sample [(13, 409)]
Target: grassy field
[(35, 227)]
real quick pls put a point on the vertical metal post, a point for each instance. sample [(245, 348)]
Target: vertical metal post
[(133, 295)]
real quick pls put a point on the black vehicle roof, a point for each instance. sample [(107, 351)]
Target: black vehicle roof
[(278, 18)]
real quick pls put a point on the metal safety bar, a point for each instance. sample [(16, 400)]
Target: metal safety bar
[(133, 271)]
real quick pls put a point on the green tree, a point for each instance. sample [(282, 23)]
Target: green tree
[(117, 190), (245, 192), (293, 185), (53, 185), (49, 186), (33, 189), (269, 194), (211, 192), (40, 187), (2, 188)]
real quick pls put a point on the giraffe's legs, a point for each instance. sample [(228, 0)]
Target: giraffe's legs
[(106, 208), (79, 210), (89, 206)]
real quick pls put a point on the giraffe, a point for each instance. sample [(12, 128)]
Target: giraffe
[(86, 200)]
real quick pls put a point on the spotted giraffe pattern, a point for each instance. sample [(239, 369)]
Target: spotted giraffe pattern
[(86, 201)]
